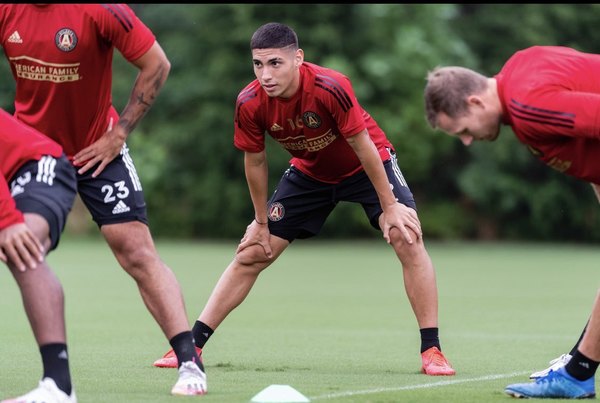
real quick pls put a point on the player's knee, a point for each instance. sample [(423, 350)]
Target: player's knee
[(399, 241), (253, 256), (134, 259)]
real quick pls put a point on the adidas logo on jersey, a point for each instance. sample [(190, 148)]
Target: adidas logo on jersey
[(15, 38), (120, 208)]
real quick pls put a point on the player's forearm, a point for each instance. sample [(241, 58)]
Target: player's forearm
[(369, 157), (256, 168), (152, 76)]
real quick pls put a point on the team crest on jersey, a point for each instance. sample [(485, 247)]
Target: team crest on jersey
[(311, 120), (276, 211), (65, 39)]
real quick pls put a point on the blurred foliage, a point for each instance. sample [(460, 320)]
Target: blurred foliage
[(193, 175)]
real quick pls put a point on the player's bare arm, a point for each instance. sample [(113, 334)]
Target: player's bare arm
[(257, 233), (20, 246), (394, 214), (154, 68)]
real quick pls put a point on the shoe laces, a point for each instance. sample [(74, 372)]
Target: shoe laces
[(563, 358)]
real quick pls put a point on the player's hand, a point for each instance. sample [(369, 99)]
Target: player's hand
[(401, 217), (256, 234), (103, 151), (21, 247)]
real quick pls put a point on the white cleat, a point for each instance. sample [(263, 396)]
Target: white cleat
[(191, 382), (46, 392), (554, 365)]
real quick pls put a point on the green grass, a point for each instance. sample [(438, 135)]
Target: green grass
[(330, 319)]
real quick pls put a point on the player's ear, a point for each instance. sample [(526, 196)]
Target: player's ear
[(475, 100), (299, 57)]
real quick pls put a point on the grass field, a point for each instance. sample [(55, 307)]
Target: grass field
[(330, 319)]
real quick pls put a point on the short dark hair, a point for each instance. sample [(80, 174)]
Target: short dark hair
[(274, 35)]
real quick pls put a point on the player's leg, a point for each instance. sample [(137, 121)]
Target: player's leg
[(134, 249), (418, 270), (116, 201), (237, 281), (590, 343), (297, 209), (41, 291), (45, 200), (421, 289)]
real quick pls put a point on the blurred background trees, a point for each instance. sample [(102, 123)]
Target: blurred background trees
[(193, 176)]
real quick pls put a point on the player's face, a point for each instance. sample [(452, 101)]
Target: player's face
[(277, 70), (479, 124)]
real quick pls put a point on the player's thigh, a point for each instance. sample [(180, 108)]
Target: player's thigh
[(44, 191), (360, 189), (299, 206)]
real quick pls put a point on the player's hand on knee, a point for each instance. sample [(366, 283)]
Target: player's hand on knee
[(257, 234), (403, 218), (19, 246)]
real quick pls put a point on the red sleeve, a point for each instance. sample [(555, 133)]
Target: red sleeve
[(337, 96), (119, 25), (9, 215), (248, 135)]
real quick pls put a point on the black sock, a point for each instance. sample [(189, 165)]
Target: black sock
[(574, 349), (183, 346), (580, 367), (56, 365), (429, 338), (201, 333)]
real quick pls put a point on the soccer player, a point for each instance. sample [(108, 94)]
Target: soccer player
[(33, 212), (550, 98), (61, 59), (339, 154)]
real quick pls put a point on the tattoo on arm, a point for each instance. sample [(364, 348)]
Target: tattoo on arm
[(143, 96)]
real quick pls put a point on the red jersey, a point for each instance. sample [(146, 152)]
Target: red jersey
[(312, 125), (18, 145), (551, 98), (61, 58)]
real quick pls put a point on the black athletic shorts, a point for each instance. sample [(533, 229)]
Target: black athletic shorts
[(116, 195), (300, 204), (46, 187)]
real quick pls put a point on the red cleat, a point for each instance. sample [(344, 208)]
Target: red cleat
[(434, 363), (169, 360)]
